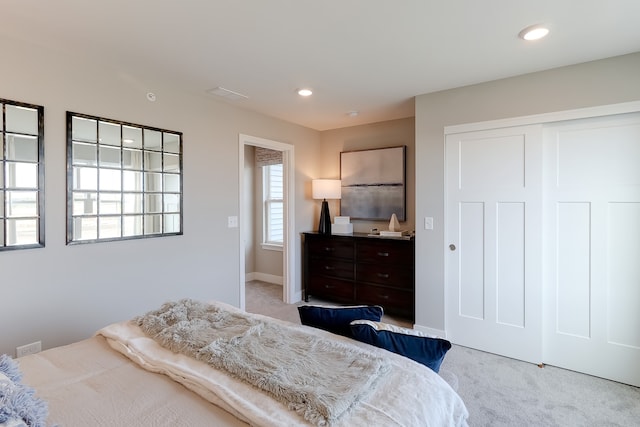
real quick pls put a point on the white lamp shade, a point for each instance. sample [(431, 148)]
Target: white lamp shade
[(326, 189)]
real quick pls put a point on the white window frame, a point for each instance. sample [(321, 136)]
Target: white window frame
[(267, 201)]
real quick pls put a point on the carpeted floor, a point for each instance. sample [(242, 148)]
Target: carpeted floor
[(504, 392), (266, 298)]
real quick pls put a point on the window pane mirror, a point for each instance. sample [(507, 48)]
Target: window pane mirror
[(124, 180), (21, 175)]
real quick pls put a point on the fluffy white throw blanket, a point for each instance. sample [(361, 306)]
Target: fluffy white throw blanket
[(319, 378)]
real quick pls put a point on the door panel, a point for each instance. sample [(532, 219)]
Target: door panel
[(493, 291), (482, 164), (573, 310), (624, 275), (471, 250), (510, 247), (592, 224)]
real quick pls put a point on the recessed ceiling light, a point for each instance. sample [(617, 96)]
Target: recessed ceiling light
[(533, 32), (304, 92), (353, 113)]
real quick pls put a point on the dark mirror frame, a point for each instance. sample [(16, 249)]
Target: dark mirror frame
[(143, 191), (41, 175)]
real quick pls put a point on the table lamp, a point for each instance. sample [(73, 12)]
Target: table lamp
[(324, 189)]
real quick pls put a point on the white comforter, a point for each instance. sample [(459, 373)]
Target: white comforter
[(411, 395)]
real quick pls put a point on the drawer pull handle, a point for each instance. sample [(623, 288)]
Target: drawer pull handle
[(329, 286), (328, 267), (383, 296), (383, 253), (328, 249), (383, 275)]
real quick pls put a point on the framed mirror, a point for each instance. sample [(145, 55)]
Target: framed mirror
[(21, 175), (124, 180)]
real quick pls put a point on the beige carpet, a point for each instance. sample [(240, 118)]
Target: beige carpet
[(266, 298), (504, 392)]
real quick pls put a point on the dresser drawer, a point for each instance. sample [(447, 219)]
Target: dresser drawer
[(397, 276), (331, 248), (392, 300), (359, 269), (387, 251), (332, 289), (331, 267)]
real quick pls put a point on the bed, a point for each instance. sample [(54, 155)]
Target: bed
[(155, 371)]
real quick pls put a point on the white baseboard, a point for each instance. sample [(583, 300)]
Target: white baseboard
[(263, 277), (431, 331)]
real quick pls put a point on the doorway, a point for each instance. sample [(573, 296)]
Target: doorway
[(246, 219)]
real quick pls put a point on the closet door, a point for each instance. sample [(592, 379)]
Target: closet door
[(493, 232), (592, 247)]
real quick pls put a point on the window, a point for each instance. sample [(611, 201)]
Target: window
[(273, 205), (21, 175), (124, 181)]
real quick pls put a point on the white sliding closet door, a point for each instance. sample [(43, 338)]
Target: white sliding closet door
[(493, 230), (592, 247)]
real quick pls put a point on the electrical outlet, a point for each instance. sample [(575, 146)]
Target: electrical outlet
[(34, 347)]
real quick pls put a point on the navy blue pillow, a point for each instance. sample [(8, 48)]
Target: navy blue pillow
[(338, 319), (423, 349)]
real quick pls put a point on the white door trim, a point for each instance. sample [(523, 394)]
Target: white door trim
[(545, 118), (288, 250)]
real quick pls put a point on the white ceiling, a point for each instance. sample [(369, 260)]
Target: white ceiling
[(372, 56)]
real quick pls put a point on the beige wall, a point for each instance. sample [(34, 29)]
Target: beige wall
[(249, 206), (60, 293), (267, 261), (257, 261), (377, 135), (608, 81)]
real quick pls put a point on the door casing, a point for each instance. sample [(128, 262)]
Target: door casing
[(289, 293)]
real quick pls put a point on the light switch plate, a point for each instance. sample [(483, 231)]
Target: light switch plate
[(428, 223), (232, 222)]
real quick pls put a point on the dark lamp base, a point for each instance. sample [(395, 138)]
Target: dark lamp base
[(324, 227)]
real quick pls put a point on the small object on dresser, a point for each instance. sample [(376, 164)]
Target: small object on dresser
[(342, 225), (394, 225), (341, 220), (385, 233), (337, 228)]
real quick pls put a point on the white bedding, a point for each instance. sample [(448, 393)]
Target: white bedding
[(410, 395), (89, 384)]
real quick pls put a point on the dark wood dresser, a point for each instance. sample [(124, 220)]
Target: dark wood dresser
[(359, 269)]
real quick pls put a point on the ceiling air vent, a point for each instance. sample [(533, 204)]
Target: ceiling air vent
[(226, 93)]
